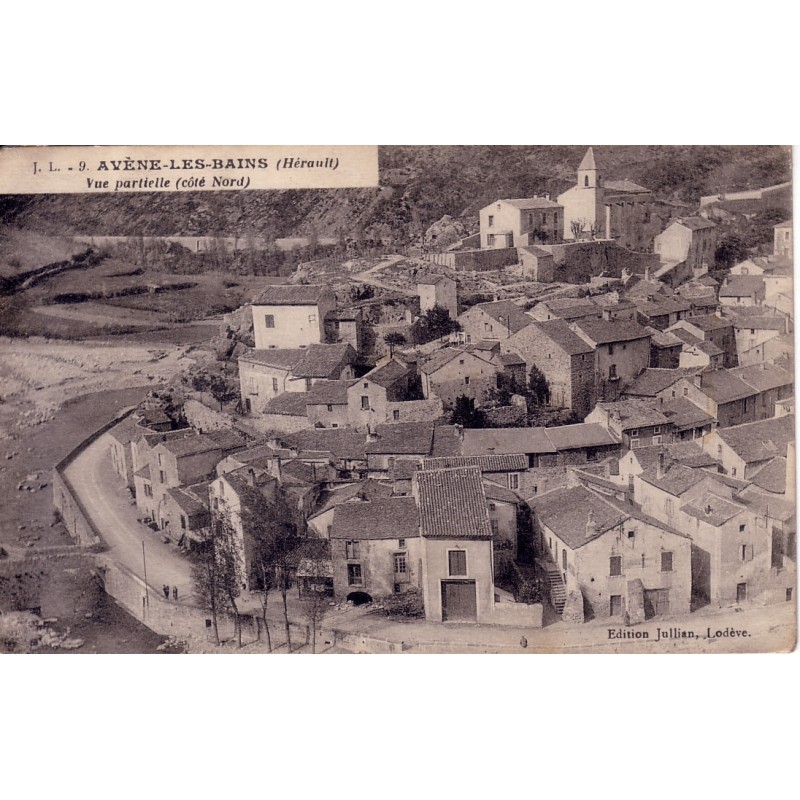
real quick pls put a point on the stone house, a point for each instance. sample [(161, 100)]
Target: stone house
[(665, 349), (184, 512), (722, 395), (634, 422), (773, 384), (604, 559), (661, 313), (369, 398), (122, 438), (753, 328), (376, 549), (742, 450), (438, 290), (456, 541), (692, 240), (569, 309), (658, 384), (521, 222), (714, 329), (782, 239), (321, 517), (565, 359), (622, 351), (265, 374), (495, 321), (289, 316), (453, 372), (698, 353), (742, 290)]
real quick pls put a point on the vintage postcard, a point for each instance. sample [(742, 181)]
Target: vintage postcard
[(401, 399)]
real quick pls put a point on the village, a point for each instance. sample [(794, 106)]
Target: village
[(609, 438)]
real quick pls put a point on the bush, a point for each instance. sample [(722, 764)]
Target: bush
[(530, 590), (406, 604)]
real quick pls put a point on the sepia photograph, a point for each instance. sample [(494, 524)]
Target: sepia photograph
[(397, 400)]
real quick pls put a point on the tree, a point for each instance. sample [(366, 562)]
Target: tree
[(730, 251), (207, 580), (435, 323), (465, 414), (539, 387), (272, 524), (394, 339), (315, 604), (222, 390), (577, 226)]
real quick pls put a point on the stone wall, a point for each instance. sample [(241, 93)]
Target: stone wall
[(478, 260), (200, 416), (520, 615)]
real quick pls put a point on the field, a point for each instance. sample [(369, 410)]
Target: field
[(115, 298)]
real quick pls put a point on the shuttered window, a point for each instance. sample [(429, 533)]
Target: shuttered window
[(456, 562), (615, 565), (666, 562)]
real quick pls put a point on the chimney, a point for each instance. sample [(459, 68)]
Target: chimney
[(661, 468), (251, 476), (708, 509), (591, 525), (647, 272)]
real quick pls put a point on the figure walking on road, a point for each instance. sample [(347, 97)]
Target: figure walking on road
[(165, 589), (174, 592)]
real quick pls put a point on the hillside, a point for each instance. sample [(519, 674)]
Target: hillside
[(420, 184)]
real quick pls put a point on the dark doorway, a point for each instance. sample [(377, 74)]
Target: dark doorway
[(741, 592), (616, 605), (656, 602), (459, 602), (359, 598)]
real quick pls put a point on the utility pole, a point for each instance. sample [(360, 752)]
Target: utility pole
[(144, 564)]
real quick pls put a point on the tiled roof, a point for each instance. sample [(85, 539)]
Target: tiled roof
[(742, 286), (487, 463), (684, 414), (722, 386), (387, 374), (282, 358), (633, 412), (689, 454), (708, 322), (559, 332), (787, 224), (531, 202), (328, 393), (288, 404), (190, 445), (669, 305), (344, 443), (624, 186), (677, 478), (446, 441), (705, 346), (509, 359), (440, 358), (324, 360), (759, 441), (506, 313), (382, 518), (143, 472), (494, 491), (408, 438), (582, 434), (663, 338), (764, 376), (742, 319), (772, 476), (601, 331), (188, 503), (504, 441), (452, 504), (290, 295), (127, 431), (566, 513), (766, 504), (713, 509), (651, 381), (695, 223), (368, 489)]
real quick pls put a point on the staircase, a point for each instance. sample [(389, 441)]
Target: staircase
[(555, 586)]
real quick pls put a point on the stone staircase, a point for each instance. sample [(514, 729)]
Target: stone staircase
[(555, 586)]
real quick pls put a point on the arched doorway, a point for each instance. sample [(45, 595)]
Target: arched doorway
[(359, 598)]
